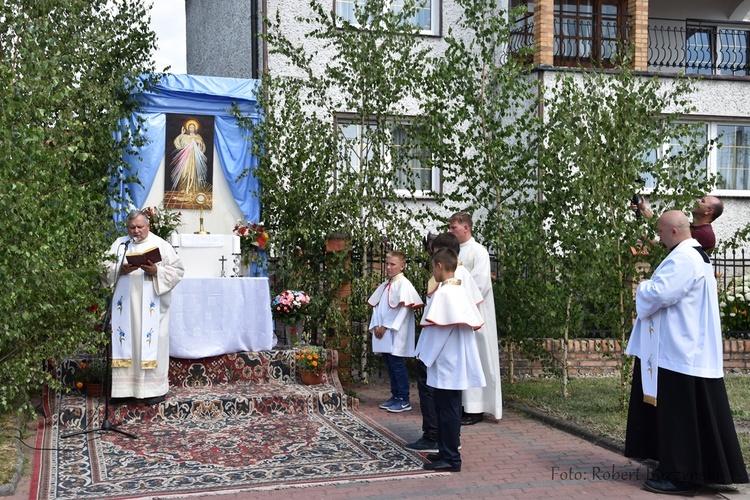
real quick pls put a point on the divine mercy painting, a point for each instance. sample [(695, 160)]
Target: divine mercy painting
[(189, 161)]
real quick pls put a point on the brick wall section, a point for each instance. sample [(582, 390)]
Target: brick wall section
[(589, 357), (544, 18)]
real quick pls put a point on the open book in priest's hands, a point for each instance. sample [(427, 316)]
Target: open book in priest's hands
[(139, 258)]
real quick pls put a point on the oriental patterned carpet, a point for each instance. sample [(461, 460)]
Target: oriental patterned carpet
[(256, 428)]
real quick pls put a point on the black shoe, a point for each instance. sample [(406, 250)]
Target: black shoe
[(154, 401), (667, 487), (471, 418), (118, 401), (423, 445), (442, 466), (434, 457)]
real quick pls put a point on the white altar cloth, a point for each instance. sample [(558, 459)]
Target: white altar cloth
[(214, 316)]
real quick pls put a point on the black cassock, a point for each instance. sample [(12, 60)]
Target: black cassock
[(690, 432)]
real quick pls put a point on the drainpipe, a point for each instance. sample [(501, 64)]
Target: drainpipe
[(254, 45)]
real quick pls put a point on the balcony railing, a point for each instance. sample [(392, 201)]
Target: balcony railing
[(578, 39), (582, 40), (698, 46), (522, 35), (674, 45)]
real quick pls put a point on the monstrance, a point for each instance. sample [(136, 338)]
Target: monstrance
[(201, 199)]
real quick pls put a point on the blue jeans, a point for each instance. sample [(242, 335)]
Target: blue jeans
[(398, 376)]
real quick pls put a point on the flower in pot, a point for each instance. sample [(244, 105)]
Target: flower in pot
[(90, 373), (290, 306), (311, 362)]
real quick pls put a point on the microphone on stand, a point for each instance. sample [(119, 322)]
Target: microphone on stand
[(126, 243)]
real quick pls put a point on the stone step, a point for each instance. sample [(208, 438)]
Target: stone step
[(261, 367), (235, 401), (241, 385)]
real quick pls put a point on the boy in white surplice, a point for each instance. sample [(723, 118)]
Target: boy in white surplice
[(392, 326), (448, 348)]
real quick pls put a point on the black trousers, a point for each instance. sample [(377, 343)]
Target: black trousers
[(448, 406), (426, 404)]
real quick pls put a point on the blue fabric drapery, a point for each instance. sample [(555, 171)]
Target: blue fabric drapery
[(198, 95)]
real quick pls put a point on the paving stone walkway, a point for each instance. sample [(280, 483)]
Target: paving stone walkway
[(514, 458)]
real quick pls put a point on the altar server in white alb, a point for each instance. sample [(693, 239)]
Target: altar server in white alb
[(476, 259), (448, 348), (428, 442), (679, 413), (140, 313), (392, 326)]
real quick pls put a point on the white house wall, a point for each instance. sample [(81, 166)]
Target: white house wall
[(289, 10), (213, 49), (715, 100)]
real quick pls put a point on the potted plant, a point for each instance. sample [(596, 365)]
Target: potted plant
[(90, 376), (311, 362), (290, 308)]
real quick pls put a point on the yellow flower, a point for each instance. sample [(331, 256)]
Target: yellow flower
[(79, 384), (315, 363)]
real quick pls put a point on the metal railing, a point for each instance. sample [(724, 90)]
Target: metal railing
[(729, 265), (583, 40), (695, 46), (699, 46), (522, 35), (578, 40)]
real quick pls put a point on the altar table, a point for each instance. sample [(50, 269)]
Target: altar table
[(207, 255), (214, 316)]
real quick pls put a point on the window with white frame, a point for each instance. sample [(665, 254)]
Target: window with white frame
[(406, 159), (427, 15), (674, 147), (731, 161), (733, 158)]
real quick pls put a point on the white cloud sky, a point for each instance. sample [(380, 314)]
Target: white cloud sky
[(168, 22)]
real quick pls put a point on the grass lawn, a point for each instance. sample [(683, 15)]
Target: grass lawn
[(594, 403), (8, 447)]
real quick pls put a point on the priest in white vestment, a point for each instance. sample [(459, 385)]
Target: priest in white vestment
[(476, 259), (140, 313), (679, 413)]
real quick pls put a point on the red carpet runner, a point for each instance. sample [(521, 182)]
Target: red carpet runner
[(235, 422)]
